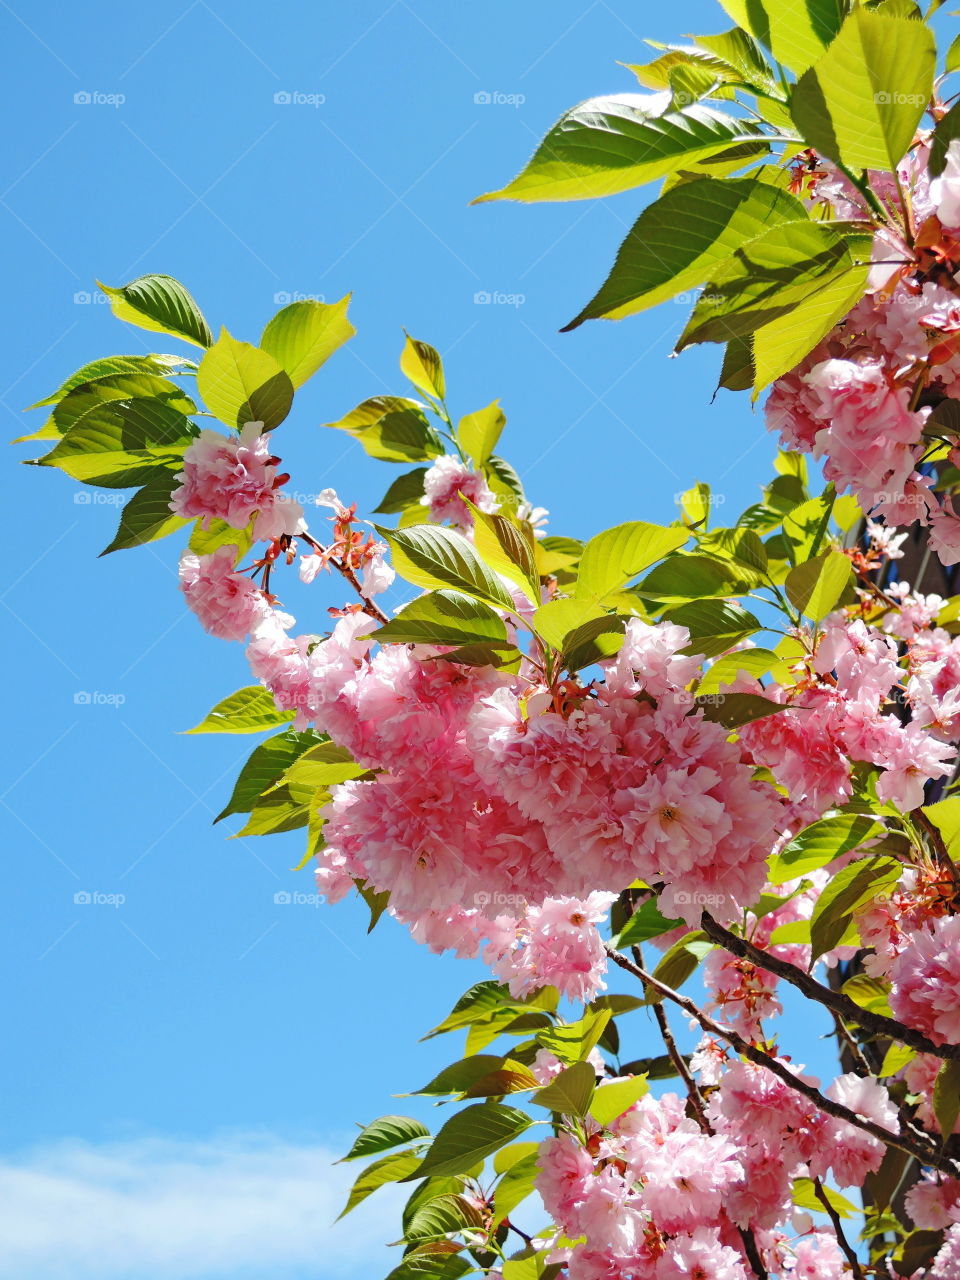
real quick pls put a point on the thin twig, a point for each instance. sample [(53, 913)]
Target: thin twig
[(877, 1023), (925, 1152), (842, 1240)]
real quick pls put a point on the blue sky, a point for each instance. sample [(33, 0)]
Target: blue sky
[(198, 1039)]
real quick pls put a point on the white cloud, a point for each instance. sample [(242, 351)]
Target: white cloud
[(164, 1209)]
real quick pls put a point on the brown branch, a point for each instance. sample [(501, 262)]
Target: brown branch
[(877, 1023), (842, 1240), (925, 1152), (696, 1103)]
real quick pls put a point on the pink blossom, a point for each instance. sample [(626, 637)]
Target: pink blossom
[(945, 190), (925, 978), (946, 1265), (447, 483), (561, 947), (847, 1150), (227, 604), (564, 1171), (700, 1256), (819, 1257), (234, 478), (934, 1203)]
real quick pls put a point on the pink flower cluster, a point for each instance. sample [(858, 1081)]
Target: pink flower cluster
[(447, 482), (839, 714), (851, 401), (235, 479), (489, 795), (658, 1197)]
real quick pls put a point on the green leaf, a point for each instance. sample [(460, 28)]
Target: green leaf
[(896, 1058), (459, 1076), (755, 662), (443, 617), (612, 558), (390, 1169), (806, 526), (611, 144), (475, 1005), (275, 812), (769, 277), (654, 263), (427, 1265), (241, 383), (820, 843), (594, 641), (556, 619), (503, 480), (382, 1134), (795, 34), (147, 516), (714, 625), (805, 1197), (946, 1096), (305, 334), (817, 586), (945, 816), (110, 366), (680, 963), (947, 129), (118, 431), (508, 547), (780, 345), (249, 710), (572, 1041), (264, 767), (431, 556), (738, 371), (735, 709), (322, 765), (611, 1100), (406, 491), (478, 433), (422, 365), (862, 101), (392, 429), (518, 1182), (569, 1092), (471, 1135), (646, 922), (869, 993), (161, 304), (442, 1216), (697, 577), (857, 883), (220, 534)]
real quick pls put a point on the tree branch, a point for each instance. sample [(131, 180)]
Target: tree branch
[(925, 1152), (842, 1240), (877, 1023)]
